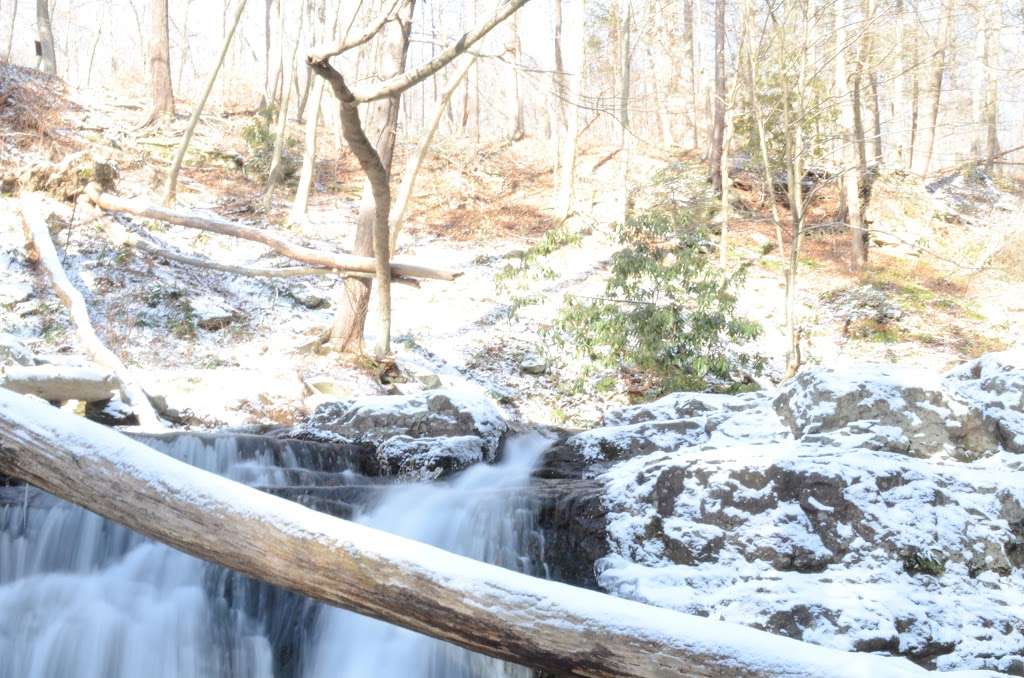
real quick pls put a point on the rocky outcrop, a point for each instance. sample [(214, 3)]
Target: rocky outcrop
[(882, 408), (420, 436), (872, 509)]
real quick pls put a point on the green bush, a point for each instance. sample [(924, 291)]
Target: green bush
[(260, 136), (667, 309)]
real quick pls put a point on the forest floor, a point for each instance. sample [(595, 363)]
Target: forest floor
[(944, 282)]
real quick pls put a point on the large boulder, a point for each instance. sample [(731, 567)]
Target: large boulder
[(856, 549), (881, 407), (422, 435), (993, 387), (871, 509)]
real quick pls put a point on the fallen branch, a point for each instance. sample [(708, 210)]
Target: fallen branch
[(538, 623), (59, 383), (344, 262), (122, 236), (38, 237)]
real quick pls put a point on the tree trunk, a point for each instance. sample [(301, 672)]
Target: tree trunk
[(281, 131), (170, 187), (382, 121), (10, 35), (625, 49), (59, 383), (572, 93), (38, 235), (853, 142), (545, 625), (47, 58), (160, 62), (718, 130), (923, 156)]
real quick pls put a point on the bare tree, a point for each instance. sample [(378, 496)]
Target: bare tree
[(852, 142), (170, 187), (372, 234), (44, 46), (160, 62)]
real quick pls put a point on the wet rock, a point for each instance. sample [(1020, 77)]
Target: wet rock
[(435, 414), (111, 412), (428, 458), (573, 519)]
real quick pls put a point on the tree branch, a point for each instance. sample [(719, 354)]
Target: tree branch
[(325, 52)]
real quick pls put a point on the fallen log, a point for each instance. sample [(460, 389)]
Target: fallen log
[(308, 255), (38, 237), (538, 623), (122, 236), (59, 383)]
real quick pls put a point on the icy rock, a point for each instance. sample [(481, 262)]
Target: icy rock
[(428, 458), (884, 408), (431, 414), (533, 364), (111, 412), (683, 405)]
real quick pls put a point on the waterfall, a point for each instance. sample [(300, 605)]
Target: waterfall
[(82, 597), (482, 514)]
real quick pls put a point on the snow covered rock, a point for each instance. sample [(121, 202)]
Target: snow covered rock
[(13, 352), (872, 509), (993, 386), (437, 431), (882, 408)]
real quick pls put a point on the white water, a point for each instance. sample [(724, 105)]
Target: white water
[(81, 597), (480, 515)]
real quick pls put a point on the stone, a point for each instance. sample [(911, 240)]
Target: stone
[(533, 364), (212, 315), (993, 388), (308, 297), (893, 409), (428, 458), (437, 413)]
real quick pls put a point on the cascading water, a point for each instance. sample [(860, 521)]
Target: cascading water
[(481, 514), (81, 597)]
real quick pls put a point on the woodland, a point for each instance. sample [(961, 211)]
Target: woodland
[(522, 338)]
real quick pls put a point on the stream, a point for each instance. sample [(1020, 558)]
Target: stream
[(83, 597)]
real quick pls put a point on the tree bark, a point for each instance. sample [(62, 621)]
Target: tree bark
[(274, 175), (545, 625), (170, 187), (853, 142), (160, 62), (923, 155), (718, 131), (308, 255), (44, 27), (38, 235), (573, 89)]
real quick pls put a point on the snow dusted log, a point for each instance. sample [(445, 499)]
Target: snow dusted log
[(60, 383), (542, 624), (38, 237), (308, 255), (122, 236)]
